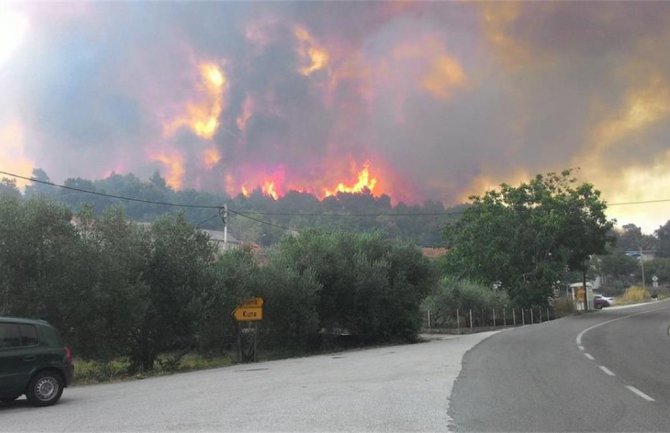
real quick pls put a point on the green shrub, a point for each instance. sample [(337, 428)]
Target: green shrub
[(457, 294), (88, 371)]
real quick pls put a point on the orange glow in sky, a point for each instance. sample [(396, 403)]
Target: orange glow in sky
[(314, 56), (202, 117), (174, 163)]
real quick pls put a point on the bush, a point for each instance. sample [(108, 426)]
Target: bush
[(464, 295), (88, 371), (564, 307), (634, 294)]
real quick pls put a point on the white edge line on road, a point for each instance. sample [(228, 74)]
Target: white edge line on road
[(640, 393), (578, 340), (588, 355), (607, 370), (581, 347)]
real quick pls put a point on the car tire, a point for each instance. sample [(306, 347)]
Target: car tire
[(599, 307), (45, 388)]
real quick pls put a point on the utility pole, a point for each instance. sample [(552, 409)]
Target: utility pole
[(642, 266), (586, 293), (223, 213)]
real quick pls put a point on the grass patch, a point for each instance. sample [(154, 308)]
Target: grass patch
[(89, 371), (563, 307), (632, 295)]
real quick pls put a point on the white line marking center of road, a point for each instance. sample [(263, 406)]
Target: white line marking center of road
[(578, 340), (640, 393), (607, 370)]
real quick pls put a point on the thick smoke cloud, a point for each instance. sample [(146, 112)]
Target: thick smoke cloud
[(440, 99)]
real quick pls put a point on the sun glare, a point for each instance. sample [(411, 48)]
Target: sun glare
[(13, 26)]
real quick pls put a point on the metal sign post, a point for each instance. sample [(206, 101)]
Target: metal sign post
[(250, 310)]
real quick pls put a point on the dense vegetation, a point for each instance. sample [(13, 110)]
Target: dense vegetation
[(361, 212), (116, 288), (119, 288), (522, 239)]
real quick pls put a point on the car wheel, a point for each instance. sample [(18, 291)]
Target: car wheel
[(599, 307), (45, 388)]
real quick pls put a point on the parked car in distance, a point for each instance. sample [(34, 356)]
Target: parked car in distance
[(33, 361), (600, 301)]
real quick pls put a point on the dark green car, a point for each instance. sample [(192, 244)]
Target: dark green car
[(33, 361)]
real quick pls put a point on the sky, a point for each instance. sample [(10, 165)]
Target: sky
[(416, 100)]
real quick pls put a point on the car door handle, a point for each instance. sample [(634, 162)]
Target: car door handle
[(29, 358)]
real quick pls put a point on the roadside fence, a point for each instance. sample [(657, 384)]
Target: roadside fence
[(474, 320)]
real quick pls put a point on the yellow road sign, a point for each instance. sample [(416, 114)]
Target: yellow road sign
[(248, 314), (252, 302)]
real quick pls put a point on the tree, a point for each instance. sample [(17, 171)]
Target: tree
[(616, 269), (176, 276), (630, 238), (523, 238), (234, 278), (370, 285), (663, 236), (38, 188), (660, 268)]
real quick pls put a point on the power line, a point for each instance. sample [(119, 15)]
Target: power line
[(139, 200), (206, 219), (408, 214), (119, 197), (198, 206), (639, 202), (270, 214), (262, 221)]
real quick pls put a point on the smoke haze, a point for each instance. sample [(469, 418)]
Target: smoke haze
[(418, 100)]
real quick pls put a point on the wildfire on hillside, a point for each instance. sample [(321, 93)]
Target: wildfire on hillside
[(275, 185)]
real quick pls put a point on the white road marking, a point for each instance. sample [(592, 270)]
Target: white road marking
[(640, 393), (607, 370), (578, 340)]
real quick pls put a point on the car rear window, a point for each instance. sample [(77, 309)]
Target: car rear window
[(17, 335), (28, 335), (10, 335)]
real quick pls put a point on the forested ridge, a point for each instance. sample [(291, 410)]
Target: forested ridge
[(354, 212)]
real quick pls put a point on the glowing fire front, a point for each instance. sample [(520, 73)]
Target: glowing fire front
[(364, 182), (275, 186)]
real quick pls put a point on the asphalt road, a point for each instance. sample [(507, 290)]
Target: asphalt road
[(390, 389), (604, 371)]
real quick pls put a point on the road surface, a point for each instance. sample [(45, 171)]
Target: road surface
[(391, 389), (604, 371)]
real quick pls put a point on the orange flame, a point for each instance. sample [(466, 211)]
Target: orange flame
[(211, 157), (364, 182), (269, 189), (203, 117), (275, 183), (175, 166), (314, 56)]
